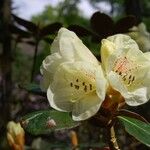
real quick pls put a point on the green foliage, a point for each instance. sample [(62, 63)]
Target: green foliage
[(44, 122), (49, 15), (140, 130), (66, 13)]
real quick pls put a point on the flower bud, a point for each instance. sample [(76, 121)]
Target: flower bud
[(15, 135)]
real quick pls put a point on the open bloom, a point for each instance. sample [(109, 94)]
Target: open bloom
[(141, 36), (73, 77), (127, 68)]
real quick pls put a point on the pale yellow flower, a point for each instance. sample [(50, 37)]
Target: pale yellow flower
[(127, 68), (15, 135), (141, 36), (73, 77)]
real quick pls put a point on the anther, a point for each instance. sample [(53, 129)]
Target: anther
[(129, 82), (71, 84), (130, 77), (90, 86), (85, 88), (133, 78), (124, 78), (76, 87)]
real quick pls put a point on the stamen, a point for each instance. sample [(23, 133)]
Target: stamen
[(85, 88), (124, 79), (90, 86), (77, 87), (120, 73), (125, 68), (133, 78), (129, 82), (130, 77), (71, 84)]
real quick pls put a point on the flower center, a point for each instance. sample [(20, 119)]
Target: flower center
[(125, 68), (85, 87), (82, 86)]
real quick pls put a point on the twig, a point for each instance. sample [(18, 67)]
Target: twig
[(112, 141), (34, 60)]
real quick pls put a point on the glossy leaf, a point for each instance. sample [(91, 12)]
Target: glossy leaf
[(140, 130), (44, 122)]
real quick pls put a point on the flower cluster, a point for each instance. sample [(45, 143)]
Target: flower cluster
[(77, 82)]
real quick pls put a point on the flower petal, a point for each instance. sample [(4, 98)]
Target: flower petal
[(115, 46), (107, 49), (75, 83), (147, 55), (59, 102), (71, 48), (86, 107), (48, 68), (135, 97), (101, 83)]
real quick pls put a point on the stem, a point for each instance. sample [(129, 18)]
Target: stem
[(112, 138), (34, 60)]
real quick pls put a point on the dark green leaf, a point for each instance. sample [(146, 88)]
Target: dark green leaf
[(79, 30), (140, 130), (48, 40), (123, 25), (50, 29), (128, 113), (33, 88), (27, 24), (16, 30), (43, 122), (102, 24)]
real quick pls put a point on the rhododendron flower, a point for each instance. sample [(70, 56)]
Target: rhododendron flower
[(127, 68), (141, 36), (73, 77)]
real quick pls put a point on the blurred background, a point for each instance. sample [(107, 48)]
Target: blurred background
[(27, 29)]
